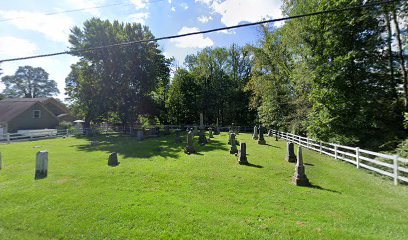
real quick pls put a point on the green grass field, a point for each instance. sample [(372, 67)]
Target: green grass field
[(158, 192)]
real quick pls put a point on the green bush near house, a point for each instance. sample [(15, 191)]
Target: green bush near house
[(158, 192)]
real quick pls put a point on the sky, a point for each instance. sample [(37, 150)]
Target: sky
[(27, 28)]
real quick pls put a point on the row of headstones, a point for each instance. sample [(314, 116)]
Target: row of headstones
[(259, 131), (241, 153), (202, 140)]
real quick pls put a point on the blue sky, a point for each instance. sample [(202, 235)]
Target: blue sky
[(27, 30)]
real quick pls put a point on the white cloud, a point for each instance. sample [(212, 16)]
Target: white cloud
[(12, 47), (169, 1), (194, 41), (88, 6), (139, 4), (54, 27), (234, 12), (184, 5), (227, 31), (173, 9), (139, 17), (204, 19)]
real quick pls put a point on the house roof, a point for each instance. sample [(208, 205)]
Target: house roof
[(12, 107)]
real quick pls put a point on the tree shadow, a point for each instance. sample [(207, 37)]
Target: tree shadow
[(130, 147)]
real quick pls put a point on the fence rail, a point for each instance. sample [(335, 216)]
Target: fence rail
[(391, 166), (34, 135)]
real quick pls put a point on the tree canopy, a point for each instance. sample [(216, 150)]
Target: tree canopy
[(29, 82)]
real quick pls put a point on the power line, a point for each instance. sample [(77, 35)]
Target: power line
[(82, 9), (201, 32)]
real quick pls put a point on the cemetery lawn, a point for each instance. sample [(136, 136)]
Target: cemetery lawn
[(159, 192)]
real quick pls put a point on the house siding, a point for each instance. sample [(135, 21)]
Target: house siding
[(26, 121)]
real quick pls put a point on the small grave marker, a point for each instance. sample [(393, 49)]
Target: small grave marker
[(242, 158), (41, 165), (113, 159), (255, 136), (233, 148), (290, 153)]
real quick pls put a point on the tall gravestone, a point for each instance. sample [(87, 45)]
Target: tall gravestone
[(41, 165), (242, 158), (255, 136), (233, 148), (261, 139), (300, 178), (189, 147), (290, 153), (113, 159)]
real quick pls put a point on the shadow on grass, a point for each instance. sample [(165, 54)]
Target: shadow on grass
[(323, 189), (129, 147), (252, 165)]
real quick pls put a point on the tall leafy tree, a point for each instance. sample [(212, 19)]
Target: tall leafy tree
[(29, 82), (128, 75)]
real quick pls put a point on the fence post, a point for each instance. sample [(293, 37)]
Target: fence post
[(396, 170), (307, 142), (8, 137), (31, 135), (335, 151), (357, 157), (320, 145)]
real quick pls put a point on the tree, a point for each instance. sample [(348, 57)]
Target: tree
[(29, 82), (126, 77)]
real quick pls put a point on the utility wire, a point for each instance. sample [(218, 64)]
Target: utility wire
[(200, 32), (82, 9)]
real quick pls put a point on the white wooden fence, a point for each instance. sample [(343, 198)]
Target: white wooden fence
[(392, 166), (33, 135)]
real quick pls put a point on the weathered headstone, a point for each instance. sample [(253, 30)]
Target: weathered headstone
[(201, 137), (178, 138), (41, 165), (300, 178), (139, 135), (255, 136), (290, 152), (242, 158), (261, 136), (201, 121), (233, 148), (113, 160), (189, 147), (210, 133)]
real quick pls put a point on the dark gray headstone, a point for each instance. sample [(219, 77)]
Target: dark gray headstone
[(233, 148), (300, 178), (41, 166), (261, 139), (290, 153), (201, 137), (242, 158), (210, 133), (113, 159)]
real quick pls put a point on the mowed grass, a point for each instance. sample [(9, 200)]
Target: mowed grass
[(159, 192)]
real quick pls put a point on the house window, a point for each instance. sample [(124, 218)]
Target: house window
[(36, 113)]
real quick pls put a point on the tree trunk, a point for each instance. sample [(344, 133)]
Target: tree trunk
[(389, 40), (401, 58)]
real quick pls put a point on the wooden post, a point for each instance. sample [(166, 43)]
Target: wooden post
[(357, 157), (335, 151), (320, 145), (41, 167), (307, 142), (395, 170)]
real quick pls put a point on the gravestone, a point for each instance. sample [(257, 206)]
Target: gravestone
[(113, 159), (300, 178), (242, 158), (261, 139), (201, 137), (290, 153), (178, 138), (140, 135), (41, 165), (255, 136), (210, 132), (217, 129), (189, 147), (233, 148)]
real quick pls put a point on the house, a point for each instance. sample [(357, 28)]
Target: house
[(31, 113)]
